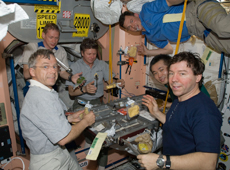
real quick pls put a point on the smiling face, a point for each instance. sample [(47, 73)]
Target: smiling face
[(89, 56), (182, 81), (45, 71), (160, 72), (133, 23), (50, 38)]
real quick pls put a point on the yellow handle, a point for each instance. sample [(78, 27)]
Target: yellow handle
[(177, 44)]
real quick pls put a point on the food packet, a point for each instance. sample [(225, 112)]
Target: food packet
[(133, 109), (145, 143), (80, 81), (132, 51), (87, 108)]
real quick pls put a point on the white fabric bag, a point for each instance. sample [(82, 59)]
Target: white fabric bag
[(107, 13), (136, 5)]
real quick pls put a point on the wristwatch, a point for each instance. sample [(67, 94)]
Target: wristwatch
[(81, 89), (70, 77), (168, 162), (160, 161)]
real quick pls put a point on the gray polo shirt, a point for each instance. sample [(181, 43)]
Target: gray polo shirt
[(100, 67), (42, 119), (58, 51)]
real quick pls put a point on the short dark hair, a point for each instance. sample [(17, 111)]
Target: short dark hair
[(44, 53), (88, 43), (193, 61), (166, 58), (122, 17), (51, 26)]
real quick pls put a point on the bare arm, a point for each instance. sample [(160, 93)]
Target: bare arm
[(151, 103), (142, 50), (174, 2), (75, 92), (89, 88), (66, 75), (78, 128), (197, 160)]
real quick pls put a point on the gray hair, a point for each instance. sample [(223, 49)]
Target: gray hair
[(44, 53)]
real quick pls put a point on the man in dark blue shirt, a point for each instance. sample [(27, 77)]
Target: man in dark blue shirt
[(191, 128)]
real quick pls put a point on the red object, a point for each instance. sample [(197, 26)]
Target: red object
[(66, 14), (131, 59), (68, 113), (122, 111)]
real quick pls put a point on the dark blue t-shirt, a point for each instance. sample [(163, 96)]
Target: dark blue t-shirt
[(192, 126)]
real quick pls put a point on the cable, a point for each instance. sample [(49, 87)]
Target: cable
[(131, 94), (125, 95), (13, 159)]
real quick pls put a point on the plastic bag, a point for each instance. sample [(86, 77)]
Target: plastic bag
[(133, 109), (107, 11)]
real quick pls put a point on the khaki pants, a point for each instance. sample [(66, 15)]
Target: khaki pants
[(58, 159), (204, 14)]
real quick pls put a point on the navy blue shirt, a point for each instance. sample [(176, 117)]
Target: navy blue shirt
[(192, 126)]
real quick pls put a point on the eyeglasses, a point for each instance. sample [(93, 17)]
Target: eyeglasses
[(47, 67)]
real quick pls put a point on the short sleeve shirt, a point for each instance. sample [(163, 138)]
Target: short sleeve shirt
[(42, 120), (58, 51), (100, 67)]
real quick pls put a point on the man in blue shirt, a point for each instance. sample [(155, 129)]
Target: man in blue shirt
[(159, 69), (159, 21), (191, 128)]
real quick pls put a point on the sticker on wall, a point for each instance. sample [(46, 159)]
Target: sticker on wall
[(223, 157), (48, 8), (66, 14), (81, 23), (42, 20), (221, 166), (224, 148)]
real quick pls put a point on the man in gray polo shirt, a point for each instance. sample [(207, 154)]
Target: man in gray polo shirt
[(43, 122), (89, 65)]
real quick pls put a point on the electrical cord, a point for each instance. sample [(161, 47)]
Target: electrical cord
[(131, 94), (125, 95), (13, 159)]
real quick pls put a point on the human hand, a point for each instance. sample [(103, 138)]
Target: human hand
[(75, 117), (148, 161), (151, 103), (75, 77), (90, 88), (89, 118), (142, 50), (122, 83)]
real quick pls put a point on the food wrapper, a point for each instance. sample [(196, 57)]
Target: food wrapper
[(145, 143), (132, 51), (133, 109), (80, 81), (160, 103)]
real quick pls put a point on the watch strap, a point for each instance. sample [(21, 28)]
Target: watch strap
[(70, 77), (168, 162), (81, 89)]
